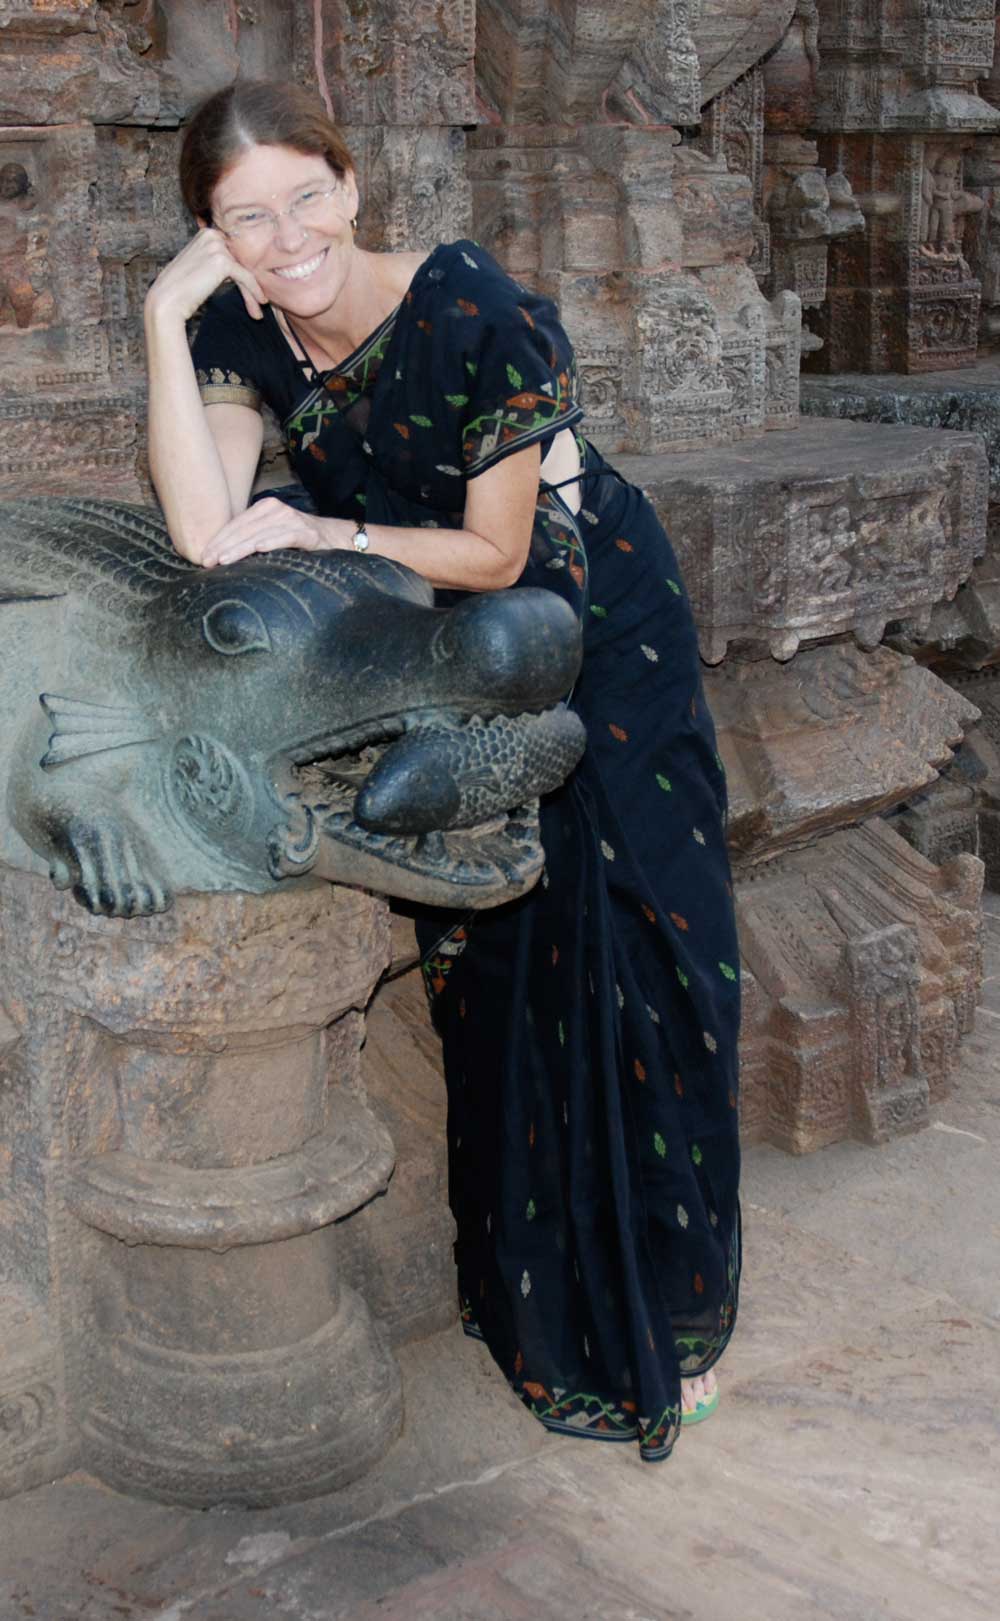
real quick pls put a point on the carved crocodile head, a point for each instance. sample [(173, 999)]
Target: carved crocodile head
[(291, 714)]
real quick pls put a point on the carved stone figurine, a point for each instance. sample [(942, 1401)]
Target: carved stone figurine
[(944, 205), (165, 729)]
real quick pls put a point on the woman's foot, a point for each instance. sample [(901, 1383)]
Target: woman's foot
[(699, 1397)]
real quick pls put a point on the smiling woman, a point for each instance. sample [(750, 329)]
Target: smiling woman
[(590, 1027)]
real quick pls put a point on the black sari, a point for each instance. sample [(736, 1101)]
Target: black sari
[(590, 1028)]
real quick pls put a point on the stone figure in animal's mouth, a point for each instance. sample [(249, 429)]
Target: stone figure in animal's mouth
[(166, 729)]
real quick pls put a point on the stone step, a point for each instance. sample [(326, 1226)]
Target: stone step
[(829, 528)]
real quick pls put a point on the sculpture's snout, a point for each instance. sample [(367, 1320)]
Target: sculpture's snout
[(518, 649)]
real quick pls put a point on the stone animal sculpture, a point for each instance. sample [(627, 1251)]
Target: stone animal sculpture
[(164, 728)]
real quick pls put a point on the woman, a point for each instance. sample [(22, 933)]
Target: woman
[(428, 404)]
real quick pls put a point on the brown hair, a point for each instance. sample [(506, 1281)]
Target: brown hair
[(250, 113)]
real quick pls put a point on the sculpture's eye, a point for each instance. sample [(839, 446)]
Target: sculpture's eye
[(235, 627)]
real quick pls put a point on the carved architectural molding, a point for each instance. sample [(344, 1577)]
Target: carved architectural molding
[(840, 528)]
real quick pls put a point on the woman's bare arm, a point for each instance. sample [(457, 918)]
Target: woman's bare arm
[(486, 554), (202, 458)]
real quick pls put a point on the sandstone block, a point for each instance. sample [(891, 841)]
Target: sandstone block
[(862, 963), (834, 530), (831, 736)]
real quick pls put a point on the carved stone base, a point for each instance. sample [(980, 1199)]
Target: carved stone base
[(861, 967), (184, 1134), (835, 527)]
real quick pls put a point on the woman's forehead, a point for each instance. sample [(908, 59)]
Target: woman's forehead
[(263, 172)]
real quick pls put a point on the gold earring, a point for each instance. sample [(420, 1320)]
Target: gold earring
[(354, 223)]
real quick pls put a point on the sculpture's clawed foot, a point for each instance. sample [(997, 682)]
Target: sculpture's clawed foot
[(106, 869)]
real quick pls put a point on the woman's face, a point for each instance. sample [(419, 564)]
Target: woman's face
[(301, 259)]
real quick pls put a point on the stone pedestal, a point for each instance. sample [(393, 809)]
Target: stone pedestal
[(186, 1133)]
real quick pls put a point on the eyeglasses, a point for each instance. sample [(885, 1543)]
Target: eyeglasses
[(261, 223)]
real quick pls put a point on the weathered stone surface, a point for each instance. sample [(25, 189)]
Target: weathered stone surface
[(543, 63), (835, 529), (731, 35), (413, 184), (893, 64), (397, 1252), (133, 61), (966, 630), (902, 297), (396, 61), (861, 969), (834, 735), (184, 1118)]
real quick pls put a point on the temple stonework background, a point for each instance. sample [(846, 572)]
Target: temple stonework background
[(744, 210)]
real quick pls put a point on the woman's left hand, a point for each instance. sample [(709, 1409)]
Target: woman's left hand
[(271, 526)]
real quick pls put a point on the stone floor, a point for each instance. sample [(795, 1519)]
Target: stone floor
[(852, 1472)]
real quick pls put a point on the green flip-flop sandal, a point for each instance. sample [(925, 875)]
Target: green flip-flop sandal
[(703, 1409)]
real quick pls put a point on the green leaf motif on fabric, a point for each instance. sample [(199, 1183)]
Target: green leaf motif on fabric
[(682, 976), (457, 399), (696, 1154), (515, 376), (598, 613), (530, 1212), (660, 1146), (727, 970), (665, 783), (422, 422), (562, 1034), (471, 367), (675, 588)]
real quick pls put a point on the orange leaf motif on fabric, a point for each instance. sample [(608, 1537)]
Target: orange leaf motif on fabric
[(539, 1392), (336, 384), (461, 1008), (522, 311), (699, 1284), (467, 308), (528, 402), (578, 575), (438, 984), (317, 451), (640, 1072), (518, 1362), (555, 955), (678, 1086), (678, 921), (401, 427), (425, 326), (624, 545), (531, 1136), (650, 913), (618, 731)]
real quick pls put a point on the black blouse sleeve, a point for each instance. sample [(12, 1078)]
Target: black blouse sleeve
[(228, 363), (518, 369)]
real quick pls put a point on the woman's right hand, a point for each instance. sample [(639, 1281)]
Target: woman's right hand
[(202, 266)]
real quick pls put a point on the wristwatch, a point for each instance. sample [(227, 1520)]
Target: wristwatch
[(362, 540)]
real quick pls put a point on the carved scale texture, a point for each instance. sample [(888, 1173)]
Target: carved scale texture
[(116, 552)]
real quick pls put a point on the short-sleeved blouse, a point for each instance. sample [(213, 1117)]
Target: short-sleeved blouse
[(470, 367)]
